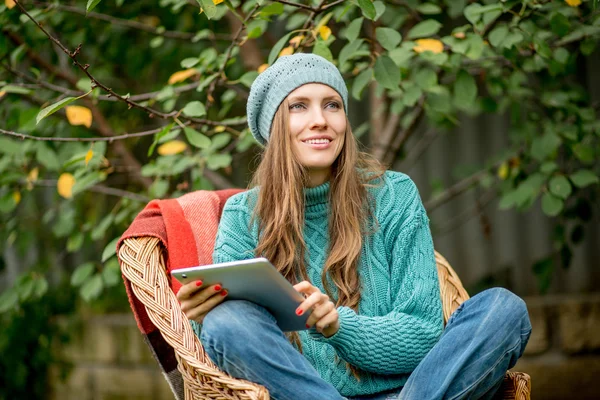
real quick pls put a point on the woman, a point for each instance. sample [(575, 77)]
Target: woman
[(355, 241)]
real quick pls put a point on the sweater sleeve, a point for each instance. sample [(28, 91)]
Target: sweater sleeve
[(235, 240), (395, 343)]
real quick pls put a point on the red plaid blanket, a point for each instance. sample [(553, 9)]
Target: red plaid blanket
[(187, 227)]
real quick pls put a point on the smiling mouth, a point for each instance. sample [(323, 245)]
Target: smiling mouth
[(317, 141)]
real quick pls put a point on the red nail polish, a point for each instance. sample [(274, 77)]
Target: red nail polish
[(307, 326), (217, 288), (299, 311), (198, 283), (224, 293)]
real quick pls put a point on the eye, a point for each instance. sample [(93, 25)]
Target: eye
[(335, 104), (297, 106)]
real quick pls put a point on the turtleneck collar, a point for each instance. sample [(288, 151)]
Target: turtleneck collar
[(317, 198)]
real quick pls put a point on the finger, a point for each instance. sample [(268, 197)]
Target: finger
[(306, 287), (189, 289), (199, 297), (310, 302), (319, 312), (198, 313), (328, 320)]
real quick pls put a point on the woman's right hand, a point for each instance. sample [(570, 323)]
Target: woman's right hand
[(197, 300)]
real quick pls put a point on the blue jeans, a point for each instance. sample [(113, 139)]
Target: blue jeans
[(483, 338)]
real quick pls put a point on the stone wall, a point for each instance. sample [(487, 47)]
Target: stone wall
[(112, 362)]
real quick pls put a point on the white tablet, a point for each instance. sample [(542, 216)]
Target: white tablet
[(255, 280)]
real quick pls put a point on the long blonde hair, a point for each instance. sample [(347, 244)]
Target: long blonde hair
[(279, 211)]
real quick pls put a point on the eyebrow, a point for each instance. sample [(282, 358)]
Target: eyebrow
[(304, 98)]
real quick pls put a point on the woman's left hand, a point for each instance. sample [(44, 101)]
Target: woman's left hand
[(324, 315)]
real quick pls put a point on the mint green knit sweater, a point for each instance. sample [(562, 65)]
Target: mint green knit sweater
[(400, 313)]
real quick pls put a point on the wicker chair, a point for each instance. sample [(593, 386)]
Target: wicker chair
[(142, 263)]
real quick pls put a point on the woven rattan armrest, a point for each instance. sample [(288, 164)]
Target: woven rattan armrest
[(143, 264)]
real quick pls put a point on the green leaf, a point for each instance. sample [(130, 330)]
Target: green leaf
[(583, 178), (248, 78), (560, 24), (412, 93), (543, 146), (157, 190), (387, 72), (216, 161), (388, 38), (111, 273), (426, 28), (426, 78), (100, 229), (51, 109), (322, 50), (189, 62), (465, 90), (47, 157), (552, 206), (8, 300), (353, 30), (497, 35), (75, 241), (91, 4), (82, 273), (584, 152), (40, 287), (110, 249), (194, 109), (401, 56), (560, 186), (429, 9), (15, 89), (349, 50), (26, 289), (271, 9), (476, 46), (544, 270), (278, 47), (210, 9), (360, 82), (548, 167), (92, 288), (158, 136), (196, 138), (88, 181), (367, 8)]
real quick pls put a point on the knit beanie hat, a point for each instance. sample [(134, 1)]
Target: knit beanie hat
[(273, 85)]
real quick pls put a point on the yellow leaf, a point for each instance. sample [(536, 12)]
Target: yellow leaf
[(33, 175), (220, 128), (288, 51), (433, 45), (17, 197), (262, 68), (171, 147), (65, 185), (295, 41), (215, 2), (88, 156), (572, 3), (2, 93), (459, 35), (78, 115), (182, 75), (325, 32), (10, 4), (503, 171)]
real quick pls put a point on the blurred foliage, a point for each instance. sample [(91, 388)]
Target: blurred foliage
[(169, 84)]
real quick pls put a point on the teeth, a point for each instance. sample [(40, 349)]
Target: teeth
[(318, 141)]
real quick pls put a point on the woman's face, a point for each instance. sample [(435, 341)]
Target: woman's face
[(318, 127)]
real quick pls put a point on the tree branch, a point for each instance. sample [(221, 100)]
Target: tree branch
[(392, 152), (418, 149), (466, 215), (99, 189), (110, 139), (220, 76)]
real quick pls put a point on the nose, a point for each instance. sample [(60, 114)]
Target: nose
[(318, 120)]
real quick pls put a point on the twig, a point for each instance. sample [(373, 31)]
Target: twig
[(100, 189), (24, 136), (73, 55), (454, 190), (213, 84), (418, 149), (289, 3), (466, 215), (335, 3), (130, 24), (392, 152)]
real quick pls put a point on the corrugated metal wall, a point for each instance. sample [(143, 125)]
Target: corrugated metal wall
[(515, 240)]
